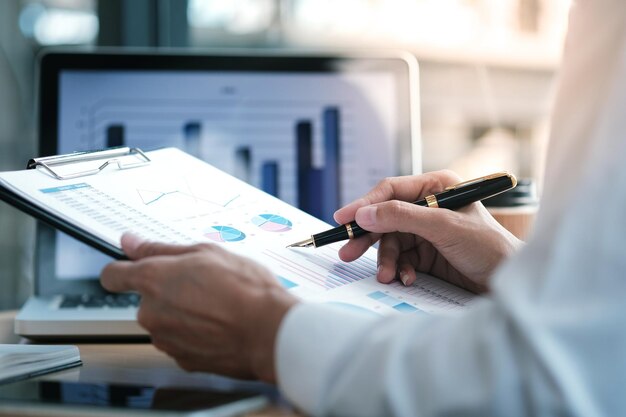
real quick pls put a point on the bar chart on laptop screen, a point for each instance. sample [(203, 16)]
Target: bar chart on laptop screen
[(316, 141)]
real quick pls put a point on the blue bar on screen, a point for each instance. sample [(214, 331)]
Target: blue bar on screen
[(316, 194), (115, 136), (331, 175), (192, 134), (304, 162), (269, 177), (243, 162)]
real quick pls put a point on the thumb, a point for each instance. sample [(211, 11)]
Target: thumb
[(136, 247), (399, 216)]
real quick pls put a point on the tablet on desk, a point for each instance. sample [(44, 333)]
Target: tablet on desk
[(61, 398)]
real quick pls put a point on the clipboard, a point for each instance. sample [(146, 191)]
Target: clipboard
[(50, 164), (78, 195)]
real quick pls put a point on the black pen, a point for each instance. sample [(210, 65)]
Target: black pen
[(452, 198)]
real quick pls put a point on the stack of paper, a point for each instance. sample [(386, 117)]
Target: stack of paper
[(25, 361)]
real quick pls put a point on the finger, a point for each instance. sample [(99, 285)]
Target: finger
[(346, 214), (406, 269), (146, 276), (137, 248), (406, 188), (120, 276), (388, 253), (353, 250), (400, 216)]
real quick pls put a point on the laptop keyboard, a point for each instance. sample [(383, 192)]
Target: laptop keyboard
[(100, 300)]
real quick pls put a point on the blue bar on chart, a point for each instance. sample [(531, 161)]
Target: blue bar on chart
[(286, 284), (341, 273), (304, 163), (330, 171), (114, 136), (269, 177), (398, 305), (319, 191), (243, 163), (316, 193), (192, 137)]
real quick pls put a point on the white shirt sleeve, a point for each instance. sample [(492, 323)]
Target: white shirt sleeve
[(551, 337)]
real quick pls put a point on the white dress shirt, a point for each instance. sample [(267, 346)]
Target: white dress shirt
[(551, 337)]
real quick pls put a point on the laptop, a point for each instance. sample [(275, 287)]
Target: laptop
[(260, 116)]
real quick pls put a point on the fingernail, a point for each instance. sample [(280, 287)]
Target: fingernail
[(379, 269), (130, 242), (366, 216), (404, 277)]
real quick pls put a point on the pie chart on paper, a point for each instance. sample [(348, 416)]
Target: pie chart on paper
[(224, 234), (272, 223)]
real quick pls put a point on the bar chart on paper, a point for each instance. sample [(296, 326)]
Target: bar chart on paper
[(393, 302), (321, 270), (321, 276)]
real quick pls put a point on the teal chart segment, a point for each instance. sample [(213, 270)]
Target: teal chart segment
[(272, 223), (224, 234), (398, 305)]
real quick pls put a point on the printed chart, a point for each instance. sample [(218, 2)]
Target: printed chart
[(149, 197), (186, 196), (393, 302), (272, 223), (321, 269), (224, 234)]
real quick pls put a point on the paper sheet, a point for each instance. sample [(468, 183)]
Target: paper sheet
[(180, 199)]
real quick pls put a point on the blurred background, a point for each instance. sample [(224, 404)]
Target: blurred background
[(488, 70)]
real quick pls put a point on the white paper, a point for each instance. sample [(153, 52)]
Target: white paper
[(180, 199)]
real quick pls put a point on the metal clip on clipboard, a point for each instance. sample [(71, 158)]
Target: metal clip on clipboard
[(109, 156)]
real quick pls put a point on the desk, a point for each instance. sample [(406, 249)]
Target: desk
[(138, 363)]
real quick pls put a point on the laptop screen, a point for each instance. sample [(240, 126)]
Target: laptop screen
[(316, 138)]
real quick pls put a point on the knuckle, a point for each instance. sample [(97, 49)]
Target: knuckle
[(397, 215), (385, 185), (395, 209)]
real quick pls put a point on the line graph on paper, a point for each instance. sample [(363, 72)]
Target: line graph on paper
[(186, 197), (149, 197)]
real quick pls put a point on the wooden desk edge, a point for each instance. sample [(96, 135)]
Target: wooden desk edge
[(7, 334)]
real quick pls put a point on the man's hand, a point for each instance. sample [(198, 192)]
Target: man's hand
[(462, 247), (211, 310)]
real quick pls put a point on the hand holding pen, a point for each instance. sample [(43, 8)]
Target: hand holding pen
[(461, 246), (452, 197)]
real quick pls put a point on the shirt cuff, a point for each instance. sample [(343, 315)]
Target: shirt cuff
[(311, 339)]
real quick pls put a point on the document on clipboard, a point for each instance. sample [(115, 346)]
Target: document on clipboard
[(169, 196)]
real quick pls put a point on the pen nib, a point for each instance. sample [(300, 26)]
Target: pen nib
[(304, 244)]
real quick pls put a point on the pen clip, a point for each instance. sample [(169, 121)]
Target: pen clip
[(480, 179)]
